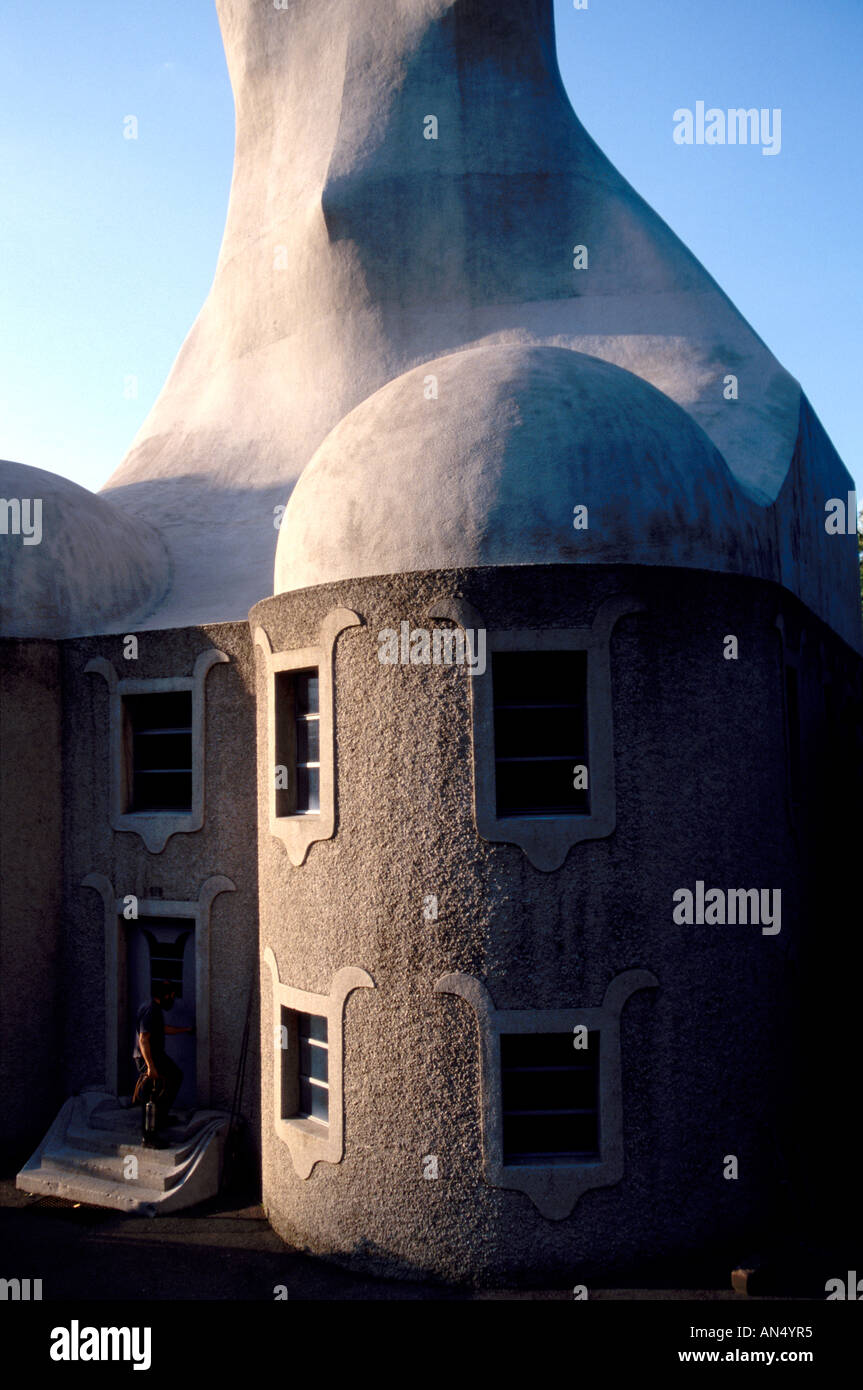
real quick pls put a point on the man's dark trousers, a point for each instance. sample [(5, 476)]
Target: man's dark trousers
[(168, 1085)]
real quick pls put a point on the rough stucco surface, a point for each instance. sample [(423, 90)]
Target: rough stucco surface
[(225, 845), (701, 794), (356, 249), (30, 884)]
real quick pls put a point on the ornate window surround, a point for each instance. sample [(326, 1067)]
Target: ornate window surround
[(553, 1189), (310, 1142), (156, 827), (299, 832), (199, 911), (546, 840)]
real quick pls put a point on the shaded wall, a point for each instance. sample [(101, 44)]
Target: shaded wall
[(708, 1059), (225, 845), (30, 891)]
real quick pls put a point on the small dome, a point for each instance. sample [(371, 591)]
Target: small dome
[(482, 457), (71, 563)]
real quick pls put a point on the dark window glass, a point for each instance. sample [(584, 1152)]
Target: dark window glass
[(313, 1026), (161, 736), (166, 957), (540, 732), (550, 1098), (298, 747), (313, 1066)]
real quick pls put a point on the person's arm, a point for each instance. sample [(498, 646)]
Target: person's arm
[(169, 1028), (146, 1053)]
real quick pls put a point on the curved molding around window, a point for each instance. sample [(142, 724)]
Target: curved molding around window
[(298, 832), (310, 1141), (546, 840), (199, 911), (553, 1189), (155, 827)]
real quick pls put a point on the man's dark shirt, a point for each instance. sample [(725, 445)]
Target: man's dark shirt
[(150, 1020)]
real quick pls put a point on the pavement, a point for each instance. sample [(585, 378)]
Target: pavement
[(220, 1250)]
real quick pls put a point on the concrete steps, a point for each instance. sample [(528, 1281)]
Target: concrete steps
[(94, 1153)]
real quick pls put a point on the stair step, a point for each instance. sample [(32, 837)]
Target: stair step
[(114, 1145), (80, 1187), (83, 1158), (161, 1177)]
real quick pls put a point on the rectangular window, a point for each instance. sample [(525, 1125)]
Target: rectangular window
[(298, 753), (550, 1098), (166, 957), (158, 734), (314, 1067), (540, 733), (305, 1066)]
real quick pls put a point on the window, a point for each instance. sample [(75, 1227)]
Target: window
[(551, 1113), (549, 1098), (305, 1066), (166, 957), (314, 1068), (158, 740), (307, 1090), (540, 733), (298, 744), (299, 764)]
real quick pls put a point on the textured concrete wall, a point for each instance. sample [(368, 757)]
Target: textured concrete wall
[(701, 794), (31, 999), (225, 845)]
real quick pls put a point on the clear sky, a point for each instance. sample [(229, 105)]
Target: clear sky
[(108, 245)]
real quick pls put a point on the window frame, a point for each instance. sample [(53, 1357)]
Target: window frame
[(554, 1188), (546, 840), (309, 1140), (129, 736), (287, 722), (155, 827), (533, 1158), (298, 831), (573, 759)]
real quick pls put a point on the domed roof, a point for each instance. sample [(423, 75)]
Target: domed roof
[(482, 457), (70, 562)]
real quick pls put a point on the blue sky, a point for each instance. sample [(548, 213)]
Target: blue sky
[(108, 246)]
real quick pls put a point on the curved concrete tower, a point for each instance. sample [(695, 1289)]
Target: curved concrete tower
[(410, 182), (439, 917)]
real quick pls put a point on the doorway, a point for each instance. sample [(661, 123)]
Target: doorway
[(163, 948)]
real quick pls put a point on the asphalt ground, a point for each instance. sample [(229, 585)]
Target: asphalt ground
[(226, 1250)]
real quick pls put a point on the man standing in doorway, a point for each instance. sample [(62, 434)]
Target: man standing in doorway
[(163, 1076)]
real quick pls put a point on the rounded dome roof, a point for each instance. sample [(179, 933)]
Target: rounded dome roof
[(481, 457), (71, 563)]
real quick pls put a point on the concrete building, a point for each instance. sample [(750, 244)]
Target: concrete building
[(462, 674)]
